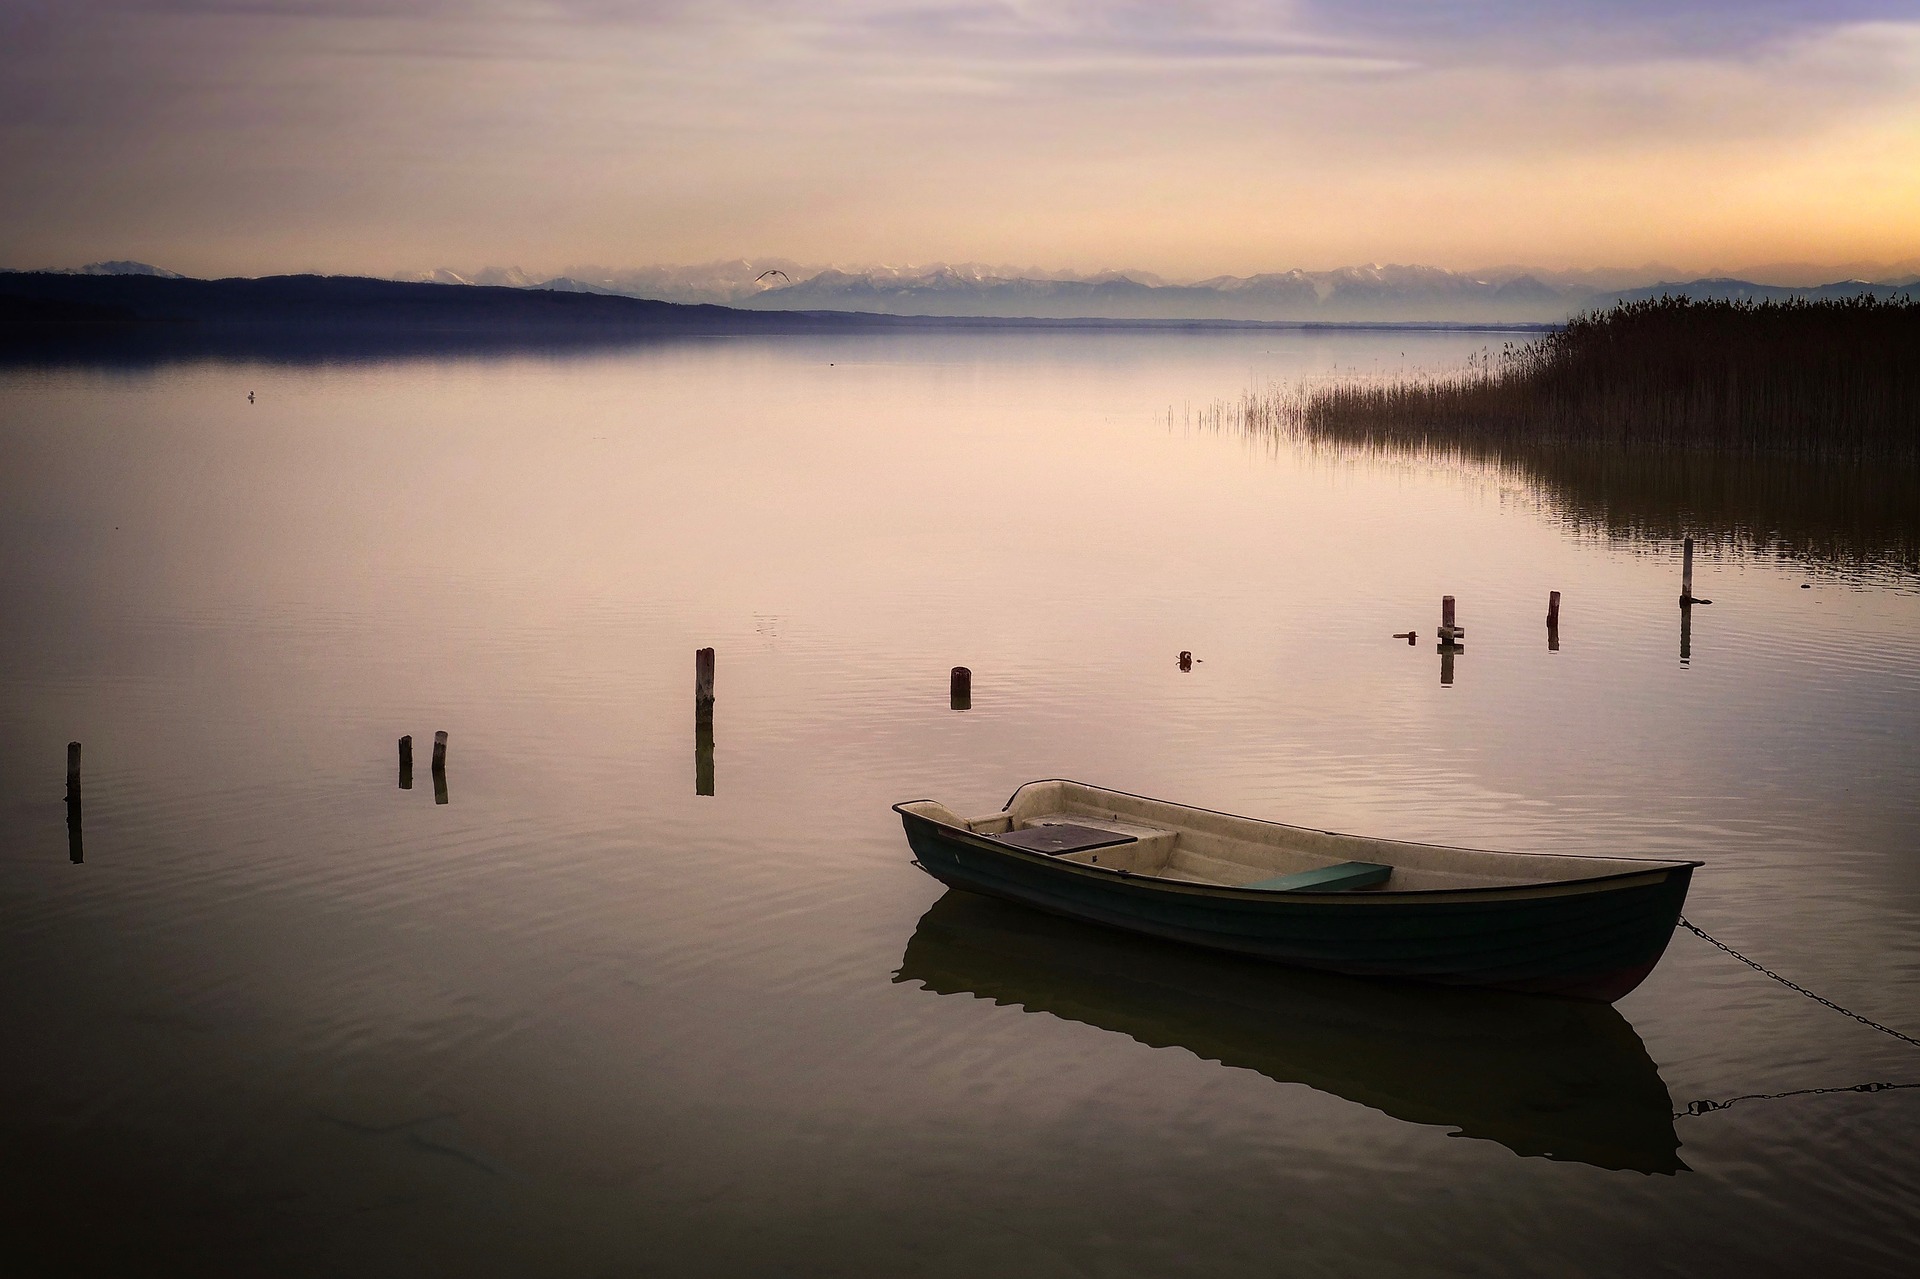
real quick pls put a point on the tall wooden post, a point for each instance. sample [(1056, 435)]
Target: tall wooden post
[(1686, 572), (960, 689), (1449, 644), (703, 665), (440, 767), (1553, 621), (406, 762)]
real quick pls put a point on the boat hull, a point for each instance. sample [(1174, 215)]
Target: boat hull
[(1593, 939)]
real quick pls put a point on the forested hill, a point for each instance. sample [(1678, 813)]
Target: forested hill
[(325, 302)]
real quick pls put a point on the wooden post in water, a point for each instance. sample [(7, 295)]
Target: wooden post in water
[(1449, 641), (703, 666), (1186, 659), (960, 689), (1553, 621), (440, 767), (1686, 572), (406, 762), (74, 852), (703, 681)]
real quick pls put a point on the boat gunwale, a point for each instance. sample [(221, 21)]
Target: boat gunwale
[(986, 843)]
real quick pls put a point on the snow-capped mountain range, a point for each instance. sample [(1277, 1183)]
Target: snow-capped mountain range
[(1361, 293), (1380, 294)]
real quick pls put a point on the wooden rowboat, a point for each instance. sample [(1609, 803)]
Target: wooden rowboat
[(1546, 923)]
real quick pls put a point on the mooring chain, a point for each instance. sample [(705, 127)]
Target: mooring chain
[(1707, 1107), (1764, 971)]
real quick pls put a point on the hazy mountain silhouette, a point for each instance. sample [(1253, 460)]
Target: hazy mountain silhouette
[(103, 268), (1364, 294), (134, 305)]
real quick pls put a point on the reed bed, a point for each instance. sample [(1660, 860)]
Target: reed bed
[(1791, 429), (1824, 380)]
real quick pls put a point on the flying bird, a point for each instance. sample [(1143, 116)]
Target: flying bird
[(776, 271)]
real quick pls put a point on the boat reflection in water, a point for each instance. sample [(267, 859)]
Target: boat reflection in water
[(1557, 1078)]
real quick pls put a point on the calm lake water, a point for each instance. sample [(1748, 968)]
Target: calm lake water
[(285, 1017)]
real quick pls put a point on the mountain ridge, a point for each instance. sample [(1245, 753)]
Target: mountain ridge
[(136, 293), (1392, 293)]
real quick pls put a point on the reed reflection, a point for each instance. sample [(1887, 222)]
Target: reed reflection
[(1549, 1078), (1834, 511), (1830, 512)]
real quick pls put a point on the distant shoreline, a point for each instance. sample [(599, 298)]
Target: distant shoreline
[(111, 309)]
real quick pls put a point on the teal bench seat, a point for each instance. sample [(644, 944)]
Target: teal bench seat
[(1326, 879)]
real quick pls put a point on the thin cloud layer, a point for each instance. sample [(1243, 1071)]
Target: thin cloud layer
[(240, 135)]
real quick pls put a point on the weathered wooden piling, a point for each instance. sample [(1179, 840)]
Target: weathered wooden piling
[(703, 681), (74, 852), (440, 767), (960, 689), (406, 762), (1449, 644), (1553, 621), (703, 665), (1686, 572)]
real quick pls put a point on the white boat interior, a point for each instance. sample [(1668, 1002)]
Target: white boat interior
[(1079, 823)]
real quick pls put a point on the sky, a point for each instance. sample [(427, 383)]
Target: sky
[(1184, 137)]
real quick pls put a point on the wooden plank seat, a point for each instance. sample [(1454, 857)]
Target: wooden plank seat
[(1058, 838), (1339, 878)]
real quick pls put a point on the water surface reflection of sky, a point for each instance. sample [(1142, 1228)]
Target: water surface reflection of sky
[(584, 1017)]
